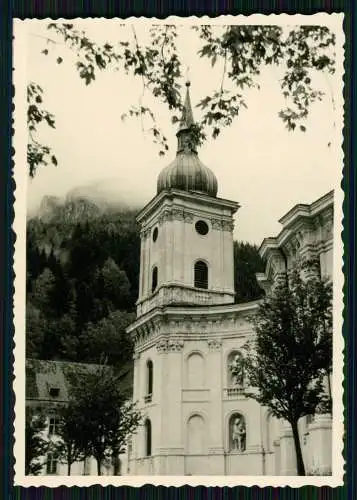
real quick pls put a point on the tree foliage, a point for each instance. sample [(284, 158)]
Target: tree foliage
[(68, 431), (82, 282), (247, 262), (291, 353), (241, 52), (36, 445), (99, 417)]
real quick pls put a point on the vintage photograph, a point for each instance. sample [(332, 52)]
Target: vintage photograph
[(178, 298)]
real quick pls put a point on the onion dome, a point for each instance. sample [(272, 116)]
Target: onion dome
[(187, 172)]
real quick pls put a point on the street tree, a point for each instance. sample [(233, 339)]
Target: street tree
[(67, 445), (290, 355), (105, 416), (240, 51)]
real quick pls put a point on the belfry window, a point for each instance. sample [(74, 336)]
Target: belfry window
[(154, 279), (147, 437), (201, 275), (149, 381)]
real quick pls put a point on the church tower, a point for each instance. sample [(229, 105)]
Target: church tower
[(186, 284), (186, 233)]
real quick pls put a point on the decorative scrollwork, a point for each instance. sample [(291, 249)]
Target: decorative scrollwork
[(214, 344)]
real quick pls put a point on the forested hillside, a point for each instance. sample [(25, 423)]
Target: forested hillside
[(82, 280)]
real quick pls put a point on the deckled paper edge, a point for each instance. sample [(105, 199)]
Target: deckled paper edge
[(19, 227)]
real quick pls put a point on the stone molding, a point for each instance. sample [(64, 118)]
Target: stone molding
[(161, 346), (214, 344), (169, 345), (216, 223), (225, 225), (180, 214), (181, 294), (189, 326), (171, 451), (216, 450), (174, 345)]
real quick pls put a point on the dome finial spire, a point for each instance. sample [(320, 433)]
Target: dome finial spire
[(186, 122)]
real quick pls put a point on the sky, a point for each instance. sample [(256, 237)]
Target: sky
[(257, 162)]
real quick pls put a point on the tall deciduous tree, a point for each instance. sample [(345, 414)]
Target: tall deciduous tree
[(286, 363), (36, 445), (240, 52), (68, 447), (105, 416)]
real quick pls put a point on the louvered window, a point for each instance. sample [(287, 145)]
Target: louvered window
[(201, 275)]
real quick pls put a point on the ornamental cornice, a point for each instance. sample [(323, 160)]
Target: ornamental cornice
[(189, 218), (169, 345), (146, 331), (174, 345), (216, 223), (144, 233), (222, 225), (178, 214), (214, 344), (227, 226), (161, 346)]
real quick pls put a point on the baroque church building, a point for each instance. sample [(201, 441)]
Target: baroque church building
[(189, 332)]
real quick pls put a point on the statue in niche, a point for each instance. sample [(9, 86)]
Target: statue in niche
[(238, 436), (237, 370)]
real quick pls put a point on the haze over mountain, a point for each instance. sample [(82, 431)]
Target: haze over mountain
[(83, 256), (105, 195)]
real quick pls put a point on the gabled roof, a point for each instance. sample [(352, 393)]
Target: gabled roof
[(41, 375)]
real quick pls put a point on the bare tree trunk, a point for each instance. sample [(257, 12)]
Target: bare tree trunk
[(99, 466), (299, 458), (69, 463), (329, 391)]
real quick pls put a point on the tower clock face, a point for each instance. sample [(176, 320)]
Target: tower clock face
[(201, 227)]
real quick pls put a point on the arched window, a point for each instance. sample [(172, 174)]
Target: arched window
[(237, 433), (201, 274), (196, 435), (195, 371), (147, 437), (149, 380), (154, 280)]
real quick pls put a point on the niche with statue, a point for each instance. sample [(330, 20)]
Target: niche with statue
[(235, 370), (237, 433)]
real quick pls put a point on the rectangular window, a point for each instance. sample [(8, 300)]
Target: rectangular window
[(52, 426), (52, 463)]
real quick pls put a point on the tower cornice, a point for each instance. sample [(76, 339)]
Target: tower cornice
[(197, 198)]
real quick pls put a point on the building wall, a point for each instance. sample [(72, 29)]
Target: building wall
[(192, 403), (178, 246)]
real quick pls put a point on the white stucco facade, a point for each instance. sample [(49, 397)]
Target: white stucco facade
[(186, 337)]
